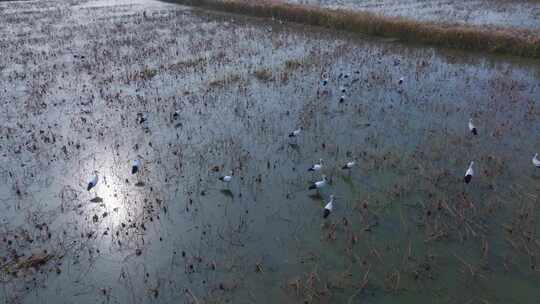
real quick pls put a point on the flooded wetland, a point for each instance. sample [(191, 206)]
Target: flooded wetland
[(203, 106)]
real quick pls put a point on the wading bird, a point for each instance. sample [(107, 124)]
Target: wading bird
[(295, 133), (472, 127), (536, 161), (135, 166), (227, 178), (469, 174), (318, 184), (317, 167), (329, 206), (92, 181), (349, 165)]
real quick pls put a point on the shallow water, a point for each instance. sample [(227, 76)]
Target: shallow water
[(405, 228), (519, 14)]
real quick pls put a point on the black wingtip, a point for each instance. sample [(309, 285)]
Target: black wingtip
[(312, 187), (291, 135), (326, 213), (134, 169), (222, 178), (344, 167), (474, 132), (311, 169), (89, 187), (467, 179)]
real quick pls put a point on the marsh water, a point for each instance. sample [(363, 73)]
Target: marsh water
[(90, 86)]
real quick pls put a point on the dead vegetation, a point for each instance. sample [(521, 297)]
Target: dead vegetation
[(519, 42), (263, 75), (390, 215)]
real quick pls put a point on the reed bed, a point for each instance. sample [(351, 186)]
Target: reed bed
[(512, 41)]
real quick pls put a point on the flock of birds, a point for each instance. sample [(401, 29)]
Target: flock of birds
[(329, 206), (470, 171), (319, 166)]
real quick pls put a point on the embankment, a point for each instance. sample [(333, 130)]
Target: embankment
[(501, 40)]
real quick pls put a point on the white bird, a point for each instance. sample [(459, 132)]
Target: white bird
[(349, 165), (176, 114), (92, 181), (329, 206), (469, 174), (317, 167), (472, 127), (536, 161), (295, 133), (135, 166), (401, 80), (226, 178), (319, 184)]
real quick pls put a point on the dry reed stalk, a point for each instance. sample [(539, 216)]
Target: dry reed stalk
[(513, 41)]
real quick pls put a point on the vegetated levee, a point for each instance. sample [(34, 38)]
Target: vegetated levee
[(523, 14), (93, 85), (514, 41)]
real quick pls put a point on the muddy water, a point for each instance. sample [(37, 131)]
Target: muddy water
[(404, 227), (520, 14)]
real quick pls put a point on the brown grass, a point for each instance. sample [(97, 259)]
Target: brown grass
[(227, 80), (263, 75), (512, 41), (293, 64)]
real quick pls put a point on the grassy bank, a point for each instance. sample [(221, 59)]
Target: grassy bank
[(511, 41)]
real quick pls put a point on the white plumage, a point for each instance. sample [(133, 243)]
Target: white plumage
[(472, 127), (318, 184), (536, 161), (329, 207), (349, 165), (92, 181), (469, 173), (227, 178), (295, 133), (317, 167), (135, 166)]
